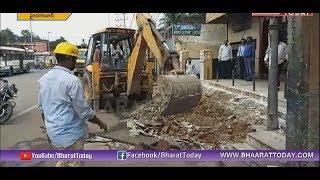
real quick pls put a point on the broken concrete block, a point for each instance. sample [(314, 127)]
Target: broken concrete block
[(231, 117)]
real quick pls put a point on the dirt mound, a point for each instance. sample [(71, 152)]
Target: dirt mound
[(219, 119)]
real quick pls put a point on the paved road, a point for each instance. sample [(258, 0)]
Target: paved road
[(23, 130), (27, 85), (26, 121)]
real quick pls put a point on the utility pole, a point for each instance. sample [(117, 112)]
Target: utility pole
[(314, 88), (272, 113), (0, 23), (108, 14), (49, 44), (123, 19), (31, 35), (303, 85), (298, 86)]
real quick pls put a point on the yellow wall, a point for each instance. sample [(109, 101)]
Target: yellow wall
[(194, 48)]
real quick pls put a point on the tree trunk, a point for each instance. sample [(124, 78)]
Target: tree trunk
[(299, 38)]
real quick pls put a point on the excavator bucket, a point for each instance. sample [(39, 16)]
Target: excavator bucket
[(177, 93)]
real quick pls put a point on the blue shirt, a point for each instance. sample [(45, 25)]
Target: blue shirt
[(241, 50), (248, 50), (65, 109)]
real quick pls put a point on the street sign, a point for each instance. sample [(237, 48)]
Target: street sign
[(187, 29), (43, 16)]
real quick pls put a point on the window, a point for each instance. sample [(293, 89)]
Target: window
[(89, 52), (116, 50), (82, 54)]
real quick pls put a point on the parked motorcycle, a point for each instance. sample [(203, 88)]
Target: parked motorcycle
[(7, 93)]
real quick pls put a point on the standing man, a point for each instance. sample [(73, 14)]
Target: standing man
[(225, 58), (62, 104), (240, 56), (282, 57), (248, 55)]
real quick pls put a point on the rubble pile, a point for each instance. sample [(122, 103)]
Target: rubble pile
[(109, 143), (219, 119)]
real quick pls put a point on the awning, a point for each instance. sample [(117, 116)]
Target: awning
[(216, 18)]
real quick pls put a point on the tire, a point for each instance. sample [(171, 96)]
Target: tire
[(87, 86), (27, 68), (6, 110), (11, 71)]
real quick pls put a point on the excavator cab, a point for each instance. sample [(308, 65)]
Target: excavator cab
[(114, 48), (106, 65)]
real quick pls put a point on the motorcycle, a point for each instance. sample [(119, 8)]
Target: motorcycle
[(7, 93)]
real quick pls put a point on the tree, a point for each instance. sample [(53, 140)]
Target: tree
[(7, 37), (54, 43), (171, 18), (26, 37), (177, 18)]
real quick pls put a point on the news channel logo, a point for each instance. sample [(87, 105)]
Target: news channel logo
[(121, 155)]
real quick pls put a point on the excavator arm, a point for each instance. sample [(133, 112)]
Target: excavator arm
[(177, 92), (148, 37)]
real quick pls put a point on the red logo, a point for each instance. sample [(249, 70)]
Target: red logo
[(282, 14), (25, 156)]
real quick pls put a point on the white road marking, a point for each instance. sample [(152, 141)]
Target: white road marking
[(24, 112)]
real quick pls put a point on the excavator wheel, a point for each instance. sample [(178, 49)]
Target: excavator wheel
[(177, 93), (87, 83), (143, 96)]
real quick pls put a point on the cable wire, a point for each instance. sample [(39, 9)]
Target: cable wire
[(132, 20)]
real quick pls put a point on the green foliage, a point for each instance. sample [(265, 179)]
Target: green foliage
[(177, 18), (53, 44), (7, 38)]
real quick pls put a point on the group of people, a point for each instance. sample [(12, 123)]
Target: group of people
[(245, 55), (246, 59)]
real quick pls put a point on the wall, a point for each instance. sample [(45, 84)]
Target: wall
[(216, 33), (37, 46), (213, 35), (194, 48), (254, 32)]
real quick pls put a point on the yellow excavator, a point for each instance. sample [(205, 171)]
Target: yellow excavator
[(120, 60)]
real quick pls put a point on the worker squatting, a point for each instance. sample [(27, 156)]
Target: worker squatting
[(59, 155)]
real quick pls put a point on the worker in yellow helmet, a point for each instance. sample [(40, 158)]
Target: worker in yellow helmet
[(62, 104)]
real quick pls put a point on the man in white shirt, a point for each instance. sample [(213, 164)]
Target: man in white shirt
[(190, 67), (240, 60), (282, 58), (225, 57)]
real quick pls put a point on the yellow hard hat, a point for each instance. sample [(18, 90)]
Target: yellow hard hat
[(66, 48)]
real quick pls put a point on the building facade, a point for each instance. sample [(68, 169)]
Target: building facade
[(38, 47), (221, 26)]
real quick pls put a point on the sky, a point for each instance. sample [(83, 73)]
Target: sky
[(77, 27)]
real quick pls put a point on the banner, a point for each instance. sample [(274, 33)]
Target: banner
[(43, 16), (159, 155), (187, 29)]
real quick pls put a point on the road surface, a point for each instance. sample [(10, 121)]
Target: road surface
[(23, 130), (25, 122)]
